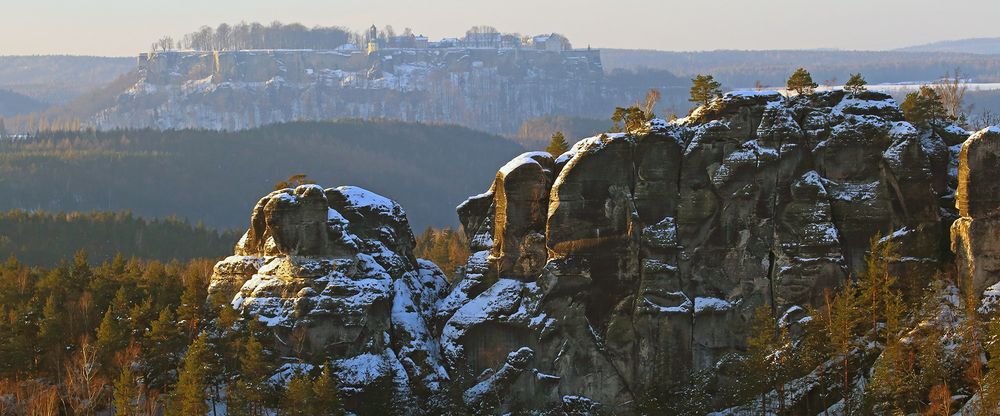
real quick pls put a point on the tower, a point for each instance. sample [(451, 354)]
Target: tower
[(372, 39)]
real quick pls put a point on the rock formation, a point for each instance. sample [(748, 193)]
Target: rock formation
[(975, 234), (332, 274), (642, 256), (633, 258), (492, 90)]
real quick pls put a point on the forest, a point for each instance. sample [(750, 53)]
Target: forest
[(43, 238), (123, 330), (139, 337), (214, 177)]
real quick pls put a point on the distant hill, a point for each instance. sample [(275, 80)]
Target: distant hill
[(216, 176), (42, 238), (985, 46), (740, 69), (59, 78), (12, 103)]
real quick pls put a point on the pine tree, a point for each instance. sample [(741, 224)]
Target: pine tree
[(299, 400), (237, 399), (856, 84), (327, 393), (112, 336), (192, 311), (877, 287), (190, 394), (557, 146), (704, 88), (51, 332), (125, 397), (254, 371), (163, 346), (628, 119), (923, 107), (801, 82), (843, 316), (766, 369)]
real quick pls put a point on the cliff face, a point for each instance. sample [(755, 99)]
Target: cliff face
[(631, 259), (492, 89), (637, 257), (975, 234), (331, 273)]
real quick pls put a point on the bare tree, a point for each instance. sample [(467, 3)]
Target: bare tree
[(82, 386), (652, 98), (984, 119), (951, 88), (165, 43)]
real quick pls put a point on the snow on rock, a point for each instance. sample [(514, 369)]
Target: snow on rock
[(334, 267), (500, 299), (523, 159), (704, 304), (359, 197)]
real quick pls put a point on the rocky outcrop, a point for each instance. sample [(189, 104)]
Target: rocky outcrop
[(975, 234), (331, 274), (660, 244), (632, 259), (488, 89)]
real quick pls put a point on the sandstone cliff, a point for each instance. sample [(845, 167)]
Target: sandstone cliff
[(492, 90), (633, 258), (331, 273), (641, 256)]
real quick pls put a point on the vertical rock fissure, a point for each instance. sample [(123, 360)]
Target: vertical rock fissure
[(773, 244)]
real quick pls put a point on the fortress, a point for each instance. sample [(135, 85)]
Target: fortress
[(487, 81)]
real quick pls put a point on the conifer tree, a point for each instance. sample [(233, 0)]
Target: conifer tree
[(237, 402), (299, 400), (125, 395), (628, 119), (843, 316), (801, 82), (51, 332), (856, 84), (254, 372), (923, 107), (765, 358), (190, 394), (327, 393), (557, 146), (704, 88), (191, 311), (112, 336), (877, 287), (163, 347)]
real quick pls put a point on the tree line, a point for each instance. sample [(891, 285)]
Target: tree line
[(255, 35), (43, 238)]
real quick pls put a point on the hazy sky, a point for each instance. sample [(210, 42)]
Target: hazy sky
[(126, 27)]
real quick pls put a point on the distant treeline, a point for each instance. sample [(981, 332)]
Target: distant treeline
[(743, 69), (217, 177), (42, 238), (244, 35)]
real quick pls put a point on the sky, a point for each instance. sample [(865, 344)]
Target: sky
[(127, 27)]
